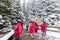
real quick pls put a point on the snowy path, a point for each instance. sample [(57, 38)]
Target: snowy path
[(53, 34), (50, 35)]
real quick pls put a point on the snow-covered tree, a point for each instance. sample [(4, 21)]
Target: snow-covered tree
[(5, 12), (17, 11), (44, 7)]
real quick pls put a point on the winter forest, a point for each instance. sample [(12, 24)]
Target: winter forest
[(26, 10)]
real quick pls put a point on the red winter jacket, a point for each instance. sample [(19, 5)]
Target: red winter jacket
[(43, 27), (32, 27), (18, 30)]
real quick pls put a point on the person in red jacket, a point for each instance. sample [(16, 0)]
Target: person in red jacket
[(36, 28), (18, 29), (43, 28), (32, 28)]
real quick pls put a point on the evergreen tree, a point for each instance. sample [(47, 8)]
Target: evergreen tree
[(5, 11)]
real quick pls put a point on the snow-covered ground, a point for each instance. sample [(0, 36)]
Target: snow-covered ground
[(54, 29), (53, 35)]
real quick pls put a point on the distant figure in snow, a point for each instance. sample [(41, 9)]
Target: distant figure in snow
[(43, 28), (27, 25), (18, 30), (32, 28)]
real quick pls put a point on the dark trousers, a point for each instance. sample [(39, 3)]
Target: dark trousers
[(17, 38), (26, 28)]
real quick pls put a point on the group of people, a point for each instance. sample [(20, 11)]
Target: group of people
[(32, 27)]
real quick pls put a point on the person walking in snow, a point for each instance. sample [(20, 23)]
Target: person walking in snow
[(32, 28), (27, 26), (18, 30), (43, 28)]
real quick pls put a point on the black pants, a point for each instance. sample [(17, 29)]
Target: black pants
[(17, 38), (27, 29)]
